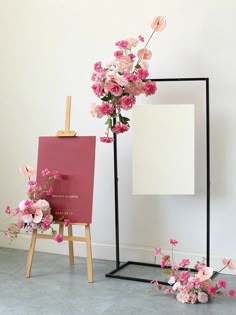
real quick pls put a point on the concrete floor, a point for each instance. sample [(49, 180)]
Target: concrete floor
[(60, 289)]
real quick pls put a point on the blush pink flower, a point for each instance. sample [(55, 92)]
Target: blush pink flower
[(144, 54), (95, 111), (8, 210), (231, 293), (184, 276), (159, 23), (113, 88), (204, 274), (228, 263), (38, 215), (27, 170), (58, 238), (184, 262)]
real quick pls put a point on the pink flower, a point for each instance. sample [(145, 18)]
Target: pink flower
[(157, 251), (106, 139), (106, 109), (45, 172), (56, 175), (43, 205), (38, 215), (142, 73), (120, 128), (144, 54), (221, 284), (173, 242), (118, 54), (184, 262), (127, 102), (231, 293), (184, 276), (204, 273), (158, 24), (141, 38), (228, 263), (202, 297), (66, 222), (95, 111), (97, 89), (123, 44), (113, 88), (98, 66), (150, 88), (58, 238), (212, 290), (8, 210), (168, 291), (27, 171)]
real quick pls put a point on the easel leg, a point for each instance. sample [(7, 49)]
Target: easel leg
[(89, 253), (30, 254), (71, 248)]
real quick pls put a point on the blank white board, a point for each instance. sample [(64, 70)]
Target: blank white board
[(163, 149)]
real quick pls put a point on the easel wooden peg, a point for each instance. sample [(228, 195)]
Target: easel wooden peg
[(67, 132)]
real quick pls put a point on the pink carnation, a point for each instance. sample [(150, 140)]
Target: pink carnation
[(184, 276), (106, 109), (120, 128), (106, 139), (231, 293), (127, 102), (58, 238), (142, 73), (212, 290), (221, 284), (150, 88)]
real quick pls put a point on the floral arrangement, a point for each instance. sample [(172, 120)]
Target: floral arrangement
[(121, 80), (34, 212), (191, 285)]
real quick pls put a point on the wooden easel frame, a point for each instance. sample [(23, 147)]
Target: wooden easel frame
[(70, 237)]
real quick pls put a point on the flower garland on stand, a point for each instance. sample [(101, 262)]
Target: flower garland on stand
[(120, 81)]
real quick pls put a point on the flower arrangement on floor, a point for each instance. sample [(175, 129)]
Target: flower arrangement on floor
[(191, 285), (34, 212), (122, 79)]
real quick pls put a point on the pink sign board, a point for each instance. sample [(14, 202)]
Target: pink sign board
[(74, 159)]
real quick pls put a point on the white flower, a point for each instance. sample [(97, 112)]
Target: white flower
[(176, 286), (171, 280), (22, 205)]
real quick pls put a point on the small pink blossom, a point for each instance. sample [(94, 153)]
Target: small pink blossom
[(184, 262), (106, 139), (141, 38), (98, 66), (56, 175), (66, 222), (58, 238), (123, 44), (157, 251), (221, 284), (231, 293), (120, 128), (212, 290), (45, 172), (173, 242), (8, 210), (118, 54), (168, 291), (184, 276)]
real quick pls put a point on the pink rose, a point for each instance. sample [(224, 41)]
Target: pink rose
[(43, 205), (158, 24), (144, 54), (113, 88)]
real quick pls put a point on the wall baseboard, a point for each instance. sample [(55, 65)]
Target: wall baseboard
[(108, 251)]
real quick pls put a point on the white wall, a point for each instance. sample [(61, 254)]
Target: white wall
[(48, 49)]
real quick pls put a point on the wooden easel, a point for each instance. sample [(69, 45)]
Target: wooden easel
[(70, 238)]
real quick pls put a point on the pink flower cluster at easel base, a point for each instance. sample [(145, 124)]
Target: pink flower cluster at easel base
[(35, 212), (121, 80), (191, 286)]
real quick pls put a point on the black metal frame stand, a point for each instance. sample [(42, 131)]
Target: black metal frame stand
[(119, 267)]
